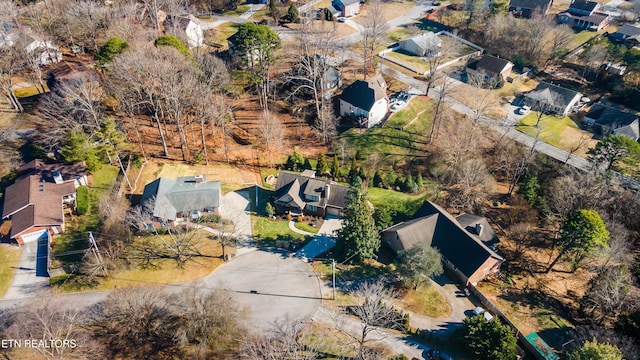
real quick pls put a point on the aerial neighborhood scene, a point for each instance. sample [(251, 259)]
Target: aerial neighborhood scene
[(320, 179)]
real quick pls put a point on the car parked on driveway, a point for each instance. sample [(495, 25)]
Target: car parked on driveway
[(524, 110)]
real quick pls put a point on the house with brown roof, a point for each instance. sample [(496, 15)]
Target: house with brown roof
[(490, 68), (37, 201), (583, 14), (305, 194), (464, 242)]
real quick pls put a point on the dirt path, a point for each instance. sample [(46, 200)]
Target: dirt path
[(413, 120)]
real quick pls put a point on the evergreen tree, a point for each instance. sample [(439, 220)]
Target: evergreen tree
[(488, 340), (322, 167), (399, 184), (377, 179), (307, 164), (593, 350), (529, 188), (362, 174), (390, 178), (358, 239), (419, 182), (335, 167), (292, 13), (295, 161), (78, 148), (408, 183), (353, 170)]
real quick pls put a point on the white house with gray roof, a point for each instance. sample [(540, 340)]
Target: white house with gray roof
[(365, 101), (185, 196), (427, 44), (550, 98)]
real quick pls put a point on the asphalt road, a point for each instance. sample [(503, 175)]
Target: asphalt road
[(272, 285)]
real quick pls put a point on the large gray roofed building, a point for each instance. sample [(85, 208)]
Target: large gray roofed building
[(186, 194)]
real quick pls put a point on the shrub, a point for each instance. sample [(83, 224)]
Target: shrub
[(289, 217), (82, 200), (300, 218), (112, 48), (269, 211), (174, 42)]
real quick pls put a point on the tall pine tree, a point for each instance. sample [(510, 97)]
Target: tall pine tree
[(335, 167), (358, 239), (321, 166)]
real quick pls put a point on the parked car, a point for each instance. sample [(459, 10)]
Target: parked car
[(524, 110), (478, 311), (434, 354), (342, 19), (398, 105)]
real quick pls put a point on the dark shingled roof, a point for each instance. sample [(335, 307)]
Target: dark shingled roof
[(291, 188), (491, 65), (628, 30), (363, 94), (529, 4), (436, 227), (471, 222), (583, 5), (621, 122), (183, 194), (595, 18)]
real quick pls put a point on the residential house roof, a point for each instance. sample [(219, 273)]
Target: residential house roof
[(552, 94), (530, 4), (621, 122), (491, 65), (363, 94), (629, 32), (583, 5), (596, 18), (71, 71), (427, 42), (479, 226), (292, 188), (184, 194), (436, 227), (348, 2), (35, 199)]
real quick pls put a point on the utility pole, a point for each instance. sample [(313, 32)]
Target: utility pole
[(96, 253), (333, 275)]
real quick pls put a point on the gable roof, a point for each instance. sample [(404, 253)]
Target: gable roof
[(180, 195), (479, 226), (291, 188), (436, 227), (530, 4), (35, 199), (363, 94), (553, 94), (583, 5), (608, 116), (491, 65), (348, 2), (426, 42), (628, 31)]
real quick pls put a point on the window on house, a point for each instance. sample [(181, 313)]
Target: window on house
[(312, 197), (312, 208)]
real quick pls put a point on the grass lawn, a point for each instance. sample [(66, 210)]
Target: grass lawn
[(218, 36), (398, 34), (391, 10), (275, 233), (415, 62), (157, 271), (562, 133), (418, 104), (405, 205), (326, 340), (306, 226), (425, 301), (74, 238), (241, 9), (22, 92), (9, 257)]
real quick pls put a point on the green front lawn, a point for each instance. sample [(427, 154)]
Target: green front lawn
[(9, 257), (418, 105), (305, 226), (404, 205), (552, 129), (275, 233)]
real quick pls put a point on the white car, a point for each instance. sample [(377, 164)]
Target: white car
[(342, 19), (478, 311), (524, 110), (397, 105)]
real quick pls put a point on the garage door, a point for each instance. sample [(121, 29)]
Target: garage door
[(33, 236), (333, 211)]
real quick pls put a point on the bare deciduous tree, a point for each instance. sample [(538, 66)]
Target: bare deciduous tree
[(271, 131), (374, 28), (608, 293)]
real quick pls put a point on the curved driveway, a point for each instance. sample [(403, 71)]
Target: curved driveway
[(271, 285)]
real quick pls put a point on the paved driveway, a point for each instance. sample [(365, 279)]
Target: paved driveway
[(236, 207), (324, 241), (271, 285), (30, 279)]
